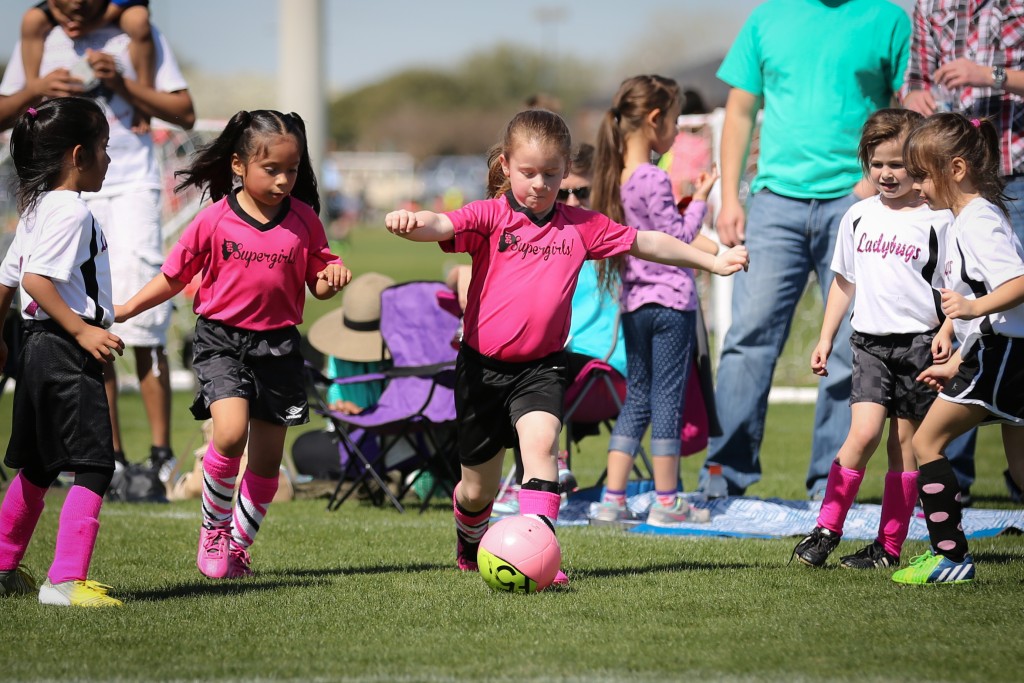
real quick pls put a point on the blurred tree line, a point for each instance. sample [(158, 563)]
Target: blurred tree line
[(459, 111)]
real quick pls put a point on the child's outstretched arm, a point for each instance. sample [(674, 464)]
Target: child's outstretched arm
[(652, 245), (97, 341), (840, 294), (35, 26), (153, 293), (420, 226), (1008, 295), (330, 280)]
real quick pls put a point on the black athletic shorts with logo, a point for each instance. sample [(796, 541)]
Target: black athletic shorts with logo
[(60, 421), (491, 395), (992, 375), (265, 367), (885, 370)]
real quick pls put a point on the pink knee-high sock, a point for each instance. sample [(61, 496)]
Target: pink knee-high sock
[(76, 535), (18, 516), (840, 492), (219, 475), (898, 500), (533, 502), (254, 497)]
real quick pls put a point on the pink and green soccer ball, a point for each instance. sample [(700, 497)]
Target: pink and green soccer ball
[(519, 555)]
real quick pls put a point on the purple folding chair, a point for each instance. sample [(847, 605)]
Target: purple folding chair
[(417, 405)]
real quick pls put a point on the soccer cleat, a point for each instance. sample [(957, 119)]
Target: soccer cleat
[(213, 559), (465, 556), (17, 581), (508, 502), (932, 568), (816, 546), (162, 460), (607, 512), (238, 562), (680, 512), (870, 557), (77, 594)]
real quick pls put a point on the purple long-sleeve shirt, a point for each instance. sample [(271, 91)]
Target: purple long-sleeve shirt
[(649, 205)]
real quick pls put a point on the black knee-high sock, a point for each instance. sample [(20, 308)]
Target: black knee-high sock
[(940, 499)]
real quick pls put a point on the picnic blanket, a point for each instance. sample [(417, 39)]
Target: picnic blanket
[(747, 517)]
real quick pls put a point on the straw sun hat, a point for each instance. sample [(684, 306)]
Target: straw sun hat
[(352, 332)]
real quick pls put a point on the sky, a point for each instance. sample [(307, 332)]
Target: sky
[(367, 40)]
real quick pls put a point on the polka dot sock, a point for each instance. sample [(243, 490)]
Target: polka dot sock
[(940, 500)]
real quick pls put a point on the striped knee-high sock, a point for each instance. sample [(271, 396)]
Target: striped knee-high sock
[(898, 500), (470, 527), (254, 498), (219, 475), (76, 535), (840, 492), (22, 506), (940, 500)]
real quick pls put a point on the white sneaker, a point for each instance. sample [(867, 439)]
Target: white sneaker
[(679, 513), (77, 594)]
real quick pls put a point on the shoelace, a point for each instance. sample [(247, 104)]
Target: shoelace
[(97, 586), (921, 559), (240, 554), (214, 539)]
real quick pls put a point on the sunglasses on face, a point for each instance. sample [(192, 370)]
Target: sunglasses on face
[(582, 193)]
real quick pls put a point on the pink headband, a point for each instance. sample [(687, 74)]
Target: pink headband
[(976, 123), (31, 111)]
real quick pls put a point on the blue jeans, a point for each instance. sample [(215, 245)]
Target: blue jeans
[(659, 353), (787, 240)]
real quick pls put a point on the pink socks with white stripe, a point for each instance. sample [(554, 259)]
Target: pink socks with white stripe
[(219, 475), (254, 497)]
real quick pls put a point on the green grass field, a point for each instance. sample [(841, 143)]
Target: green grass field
[(367, 594)]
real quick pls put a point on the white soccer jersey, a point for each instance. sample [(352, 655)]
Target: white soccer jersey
[(133, 164), (61, 241), (982, 252), (892, 257)]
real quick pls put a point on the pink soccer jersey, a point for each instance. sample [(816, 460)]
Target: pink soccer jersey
[(252, 275), (525, 270)]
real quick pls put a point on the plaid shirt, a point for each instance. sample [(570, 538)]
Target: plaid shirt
[(987, 32)]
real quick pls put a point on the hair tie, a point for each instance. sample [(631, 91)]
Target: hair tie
[(31, 111), (976, 123), (615, 113)]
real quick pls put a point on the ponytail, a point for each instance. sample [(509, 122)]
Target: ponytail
[(43, 136), (637, 97), (246, 135)]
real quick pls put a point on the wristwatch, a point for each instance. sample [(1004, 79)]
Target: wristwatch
[(998, 77)]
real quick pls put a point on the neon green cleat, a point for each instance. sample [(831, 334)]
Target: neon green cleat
[(932, 568), (17, 581), (77, 594)]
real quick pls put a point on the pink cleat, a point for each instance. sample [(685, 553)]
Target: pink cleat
[(213, 558), (238, 562), (465, 557), (560, 581)]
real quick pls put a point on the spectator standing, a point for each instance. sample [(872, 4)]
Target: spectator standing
[(128, 205), (819, 69)]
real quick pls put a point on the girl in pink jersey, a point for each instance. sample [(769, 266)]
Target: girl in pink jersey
[(527, 251), (888, 249), (255, 248)]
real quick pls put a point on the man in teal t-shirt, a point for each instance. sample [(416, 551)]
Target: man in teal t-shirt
[(819, 68)]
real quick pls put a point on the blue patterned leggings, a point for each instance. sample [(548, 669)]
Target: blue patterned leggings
[(659, 353)]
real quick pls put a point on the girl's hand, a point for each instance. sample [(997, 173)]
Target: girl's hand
[(937, 376), (334, 275), (956, 306), (819, 357), (731, 261), (402, 222), (942, 347), (120, 313), (705, 181), (100, 343)]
